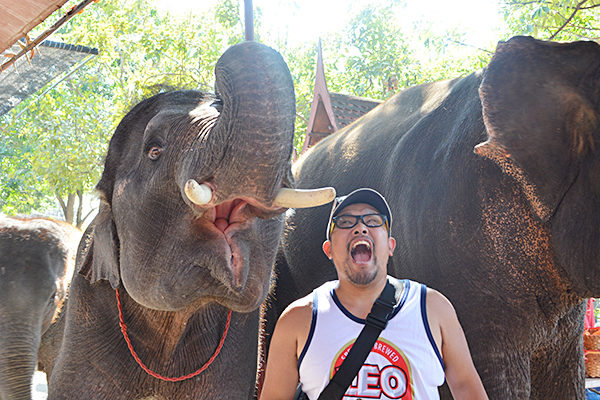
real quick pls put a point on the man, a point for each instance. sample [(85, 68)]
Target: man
[(422, 344)]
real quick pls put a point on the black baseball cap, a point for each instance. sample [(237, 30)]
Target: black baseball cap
[(365, 196)]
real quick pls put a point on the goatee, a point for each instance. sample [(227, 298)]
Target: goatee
[(362, 278)]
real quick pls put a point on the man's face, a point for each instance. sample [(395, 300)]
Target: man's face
[(360, 254)]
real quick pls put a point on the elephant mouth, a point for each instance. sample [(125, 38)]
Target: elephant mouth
[(228, 220), (225, 215), (230, 216), (361, 252)]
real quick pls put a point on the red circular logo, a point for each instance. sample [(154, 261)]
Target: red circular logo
[(386, 373)]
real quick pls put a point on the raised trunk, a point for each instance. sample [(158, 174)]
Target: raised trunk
[(253, 136)]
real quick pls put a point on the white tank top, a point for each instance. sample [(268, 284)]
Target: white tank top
[(404, 363)]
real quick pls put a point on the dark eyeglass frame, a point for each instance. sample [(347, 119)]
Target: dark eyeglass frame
[(360, 218)]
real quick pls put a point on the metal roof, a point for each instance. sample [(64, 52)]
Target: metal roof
[(29, 74)]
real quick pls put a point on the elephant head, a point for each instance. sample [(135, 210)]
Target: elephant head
[(550, 149), (37, 258), (194, 186)]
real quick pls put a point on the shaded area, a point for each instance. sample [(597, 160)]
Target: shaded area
[(30, 74)]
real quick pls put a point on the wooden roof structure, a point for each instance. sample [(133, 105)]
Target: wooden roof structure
[(19, 17), (329, 111)]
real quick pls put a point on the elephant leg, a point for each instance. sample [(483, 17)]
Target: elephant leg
[(558, 369)]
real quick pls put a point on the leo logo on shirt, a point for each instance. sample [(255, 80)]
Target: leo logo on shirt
[(385, 375)]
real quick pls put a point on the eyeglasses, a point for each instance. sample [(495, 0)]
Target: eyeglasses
[(350, 221)]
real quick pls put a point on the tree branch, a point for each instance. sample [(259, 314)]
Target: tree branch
[(86, 217), (62, 203), (568, 19), (79, 208)]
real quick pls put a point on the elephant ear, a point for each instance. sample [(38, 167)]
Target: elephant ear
[(537, 99), (98, 254)]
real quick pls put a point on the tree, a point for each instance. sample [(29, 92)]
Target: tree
[(374, 56), (554, 19), (55, 147)]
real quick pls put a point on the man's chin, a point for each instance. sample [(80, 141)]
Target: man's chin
[(361, 278)]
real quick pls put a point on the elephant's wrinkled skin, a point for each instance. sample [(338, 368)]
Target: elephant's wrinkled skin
[(37, 258), (494, 183), (180, 266)]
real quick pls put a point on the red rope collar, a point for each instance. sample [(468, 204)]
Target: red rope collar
[(154, 374)]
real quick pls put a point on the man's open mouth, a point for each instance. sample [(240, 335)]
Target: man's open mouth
[(361, 251)]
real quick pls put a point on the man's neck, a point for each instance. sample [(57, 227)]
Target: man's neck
[(358, 299)]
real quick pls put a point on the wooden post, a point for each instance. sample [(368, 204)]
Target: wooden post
[(249, 25)]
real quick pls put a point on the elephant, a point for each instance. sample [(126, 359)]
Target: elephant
[(173, 269), (37, 259), (493, 180)]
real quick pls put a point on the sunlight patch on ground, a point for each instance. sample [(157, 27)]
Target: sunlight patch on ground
[(39, 389)]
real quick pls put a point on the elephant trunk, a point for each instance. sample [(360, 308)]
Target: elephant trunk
[(18, 360), (251, 141)]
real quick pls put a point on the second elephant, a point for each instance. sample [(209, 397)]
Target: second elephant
[(37, 259), (494, 183)]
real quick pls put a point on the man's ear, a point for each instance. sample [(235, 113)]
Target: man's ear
[(392, 244), (327, 248)]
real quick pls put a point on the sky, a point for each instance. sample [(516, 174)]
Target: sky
[(479, 17)]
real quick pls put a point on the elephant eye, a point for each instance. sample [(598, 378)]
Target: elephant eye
[(154, 152)]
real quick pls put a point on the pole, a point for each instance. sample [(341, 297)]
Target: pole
[(249, 14)]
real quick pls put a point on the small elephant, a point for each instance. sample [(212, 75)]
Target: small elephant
[(494, 183), (172, 271), (37, 259)]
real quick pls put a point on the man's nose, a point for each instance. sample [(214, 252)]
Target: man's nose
[(360, 228)]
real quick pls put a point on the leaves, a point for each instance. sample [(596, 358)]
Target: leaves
[(57, 143), (553, 19)]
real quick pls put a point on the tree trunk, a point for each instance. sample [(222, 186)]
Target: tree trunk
[(79, 208), (67, 209)]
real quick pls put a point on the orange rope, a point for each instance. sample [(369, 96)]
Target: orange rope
[(154, 374)]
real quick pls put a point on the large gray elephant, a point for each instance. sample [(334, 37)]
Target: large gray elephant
[(37, 258), (494, 183), (176, 264)]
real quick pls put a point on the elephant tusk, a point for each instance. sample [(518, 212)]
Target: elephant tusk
[(303, 198), (198, 194)]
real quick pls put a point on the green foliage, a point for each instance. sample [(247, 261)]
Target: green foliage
[(553, 19), (54, 145), (301, 60), (370, 51)]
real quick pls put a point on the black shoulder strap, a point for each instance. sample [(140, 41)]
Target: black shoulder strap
[(376, 321)]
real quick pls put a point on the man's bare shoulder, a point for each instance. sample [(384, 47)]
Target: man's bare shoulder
[(438, 304), (301, 308), (294, 323)]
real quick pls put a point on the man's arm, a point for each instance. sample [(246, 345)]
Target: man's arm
[(461, 375), (289, 337)]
